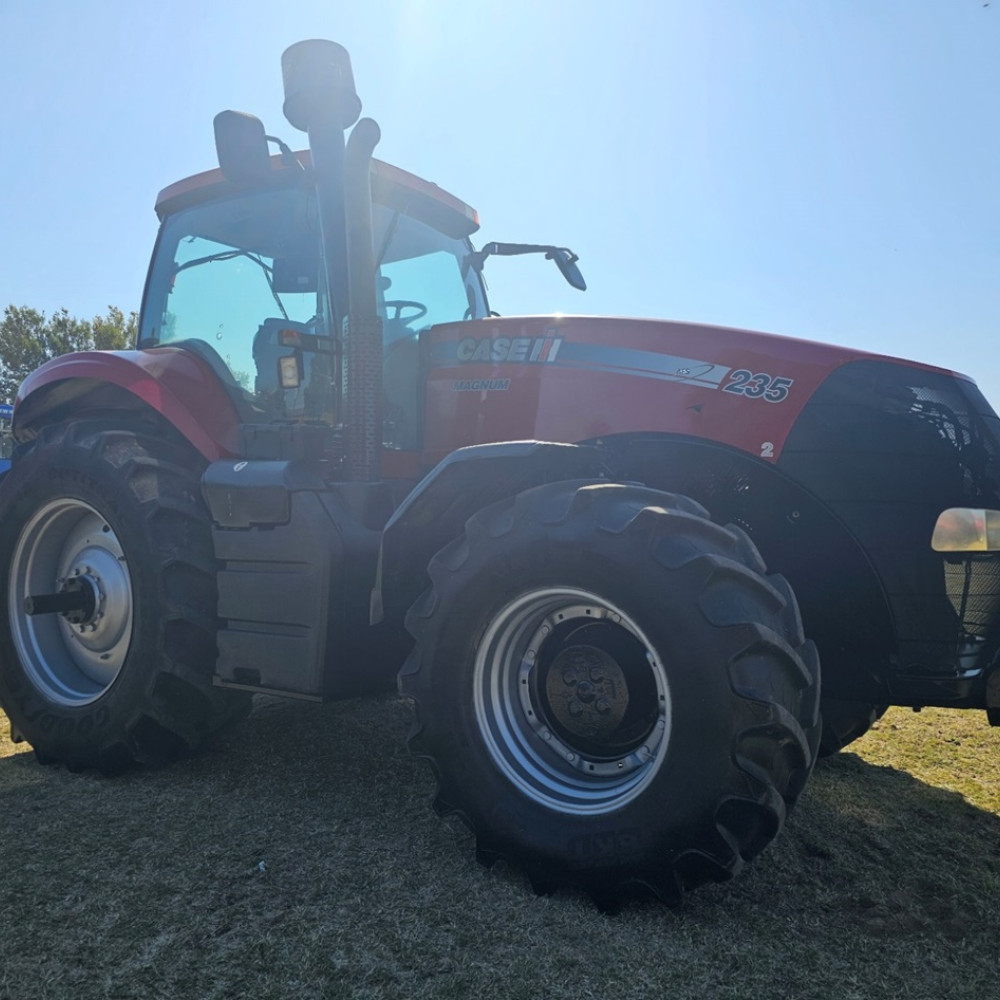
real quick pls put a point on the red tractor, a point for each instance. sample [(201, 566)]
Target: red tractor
[(327, 460)]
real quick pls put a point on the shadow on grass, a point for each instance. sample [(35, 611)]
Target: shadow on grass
[(339, 765), (299, 857), (893, 854)]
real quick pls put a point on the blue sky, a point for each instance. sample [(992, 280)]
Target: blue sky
[(826, 169)]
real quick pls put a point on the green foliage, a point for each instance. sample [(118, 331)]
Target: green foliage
[(29, 339)]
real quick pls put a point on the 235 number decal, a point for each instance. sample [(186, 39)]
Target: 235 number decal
[(761, 385)]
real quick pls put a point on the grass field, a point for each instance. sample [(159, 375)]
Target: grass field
[(298, 859)]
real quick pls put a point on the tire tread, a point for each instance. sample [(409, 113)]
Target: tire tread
[(776, 729)]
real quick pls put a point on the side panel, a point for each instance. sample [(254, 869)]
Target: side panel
[(297, 563), (177, 384)]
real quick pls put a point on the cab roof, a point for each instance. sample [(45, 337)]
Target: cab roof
[(391, 186)]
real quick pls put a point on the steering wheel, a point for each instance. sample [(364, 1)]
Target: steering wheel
[(400, 306)]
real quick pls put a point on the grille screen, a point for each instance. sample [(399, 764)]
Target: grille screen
[(973, 587)]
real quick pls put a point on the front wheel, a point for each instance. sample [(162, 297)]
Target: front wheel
[(107, 643), (610, 691)]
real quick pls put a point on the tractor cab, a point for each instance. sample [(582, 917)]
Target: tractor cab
[(238, 277)]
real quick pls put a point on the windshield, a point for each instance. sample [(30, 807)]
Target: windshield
[(240, 281)]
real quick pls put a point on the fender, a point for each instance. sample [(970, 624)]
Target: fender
[(793, 530), (461, 484), (184, 388), (844, 606)]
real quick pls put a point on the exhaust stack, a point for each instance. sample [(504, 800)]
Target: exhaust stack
[(320, 99)]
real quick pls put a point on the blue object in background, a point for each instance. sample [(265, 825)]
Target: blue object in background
[(6, 441)]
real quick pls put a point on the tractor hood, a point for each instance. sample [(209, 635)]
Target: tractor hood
[(581, 378)]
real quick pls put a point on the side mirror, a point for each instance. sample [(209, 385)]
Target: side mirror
[(566, 262), (241, 146), (565, 258)]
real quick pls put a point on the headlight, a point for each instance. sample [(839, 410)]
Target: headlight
[(961, 529)]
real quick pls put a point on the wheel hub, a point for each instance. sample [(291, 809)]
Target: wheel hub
[(100, 571), (90, 600), (587, 692), (571, 700)]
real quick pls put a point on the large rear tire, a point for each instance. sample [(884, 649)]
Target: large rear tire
[(610, 692), (108, 527)]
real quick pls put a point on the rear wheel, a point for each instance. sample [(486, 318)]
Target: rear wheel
[(610, 691), (107, 646)]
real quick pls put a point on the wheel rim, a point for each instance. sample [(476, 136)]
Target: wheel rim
[(572, 701), (71, 658)]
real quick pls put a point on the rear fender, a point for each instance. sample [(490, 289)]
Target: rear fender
[(180, 387)]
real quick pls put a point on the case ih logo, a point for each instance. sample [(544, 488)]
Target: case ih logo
[(528, 350)]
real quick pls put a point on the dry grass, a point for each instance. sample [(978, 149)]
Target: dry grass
[(298, 859)]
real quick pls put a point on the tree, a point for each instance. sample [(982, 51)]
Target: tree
[(28, 339), (116, 331)]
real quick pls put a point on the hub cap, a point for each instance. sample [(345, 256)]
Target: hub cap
[(571, 700), (72, 656)]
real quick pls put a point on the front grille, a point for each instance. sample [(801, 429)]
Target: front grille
[(973, 587), (887, 447)]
